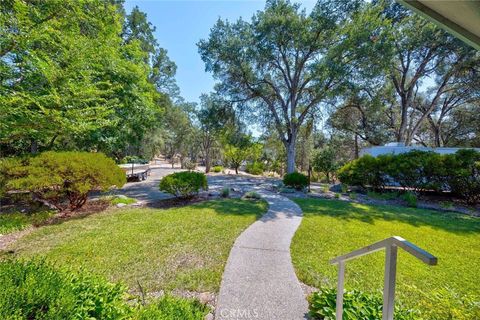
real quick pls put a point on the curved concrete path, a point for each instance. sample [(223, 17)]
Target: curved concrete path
[(259, 281)]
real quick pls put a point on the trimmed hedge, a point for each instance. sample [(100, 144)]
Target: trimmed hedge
[(356, 305), (62, 179), (217, 169), (295, 180), (184, 184), (418, 170), (36, 289)]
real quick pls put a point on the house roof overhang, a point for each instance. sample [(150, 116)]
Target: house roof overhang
[(459, 17)]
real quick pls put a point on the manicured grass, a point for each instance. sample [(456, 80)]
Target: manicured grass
[(331, 228), (11, 222), (183, 248)]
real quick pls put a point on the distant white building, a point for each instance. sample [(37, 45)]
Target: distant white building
[(398, 147)]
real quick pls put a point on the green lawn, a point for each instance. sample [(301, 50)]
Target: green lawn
[(10, 222), (183, 248), (446, 291)]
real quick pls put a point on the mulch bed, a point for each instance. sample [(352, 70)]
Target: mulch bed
[(89, 208)]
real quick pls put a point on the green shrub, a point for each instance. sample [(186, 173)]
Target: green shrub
[(418, 170), (134, 159), (365, 171), (411, 199), (252, 195), (325, 161), (389, 195), (217, 169), (356, 306), (344, 188), (37, 290), (352, 195), (255, 168), (189, 165), (184, 184), (225, 192), (172, 308), (295, 180), (463, 174), (64, 179), (124, 200), (337, 196)]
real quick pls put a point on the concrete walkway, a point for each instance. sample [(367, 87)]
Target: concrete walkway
[(259, 281)]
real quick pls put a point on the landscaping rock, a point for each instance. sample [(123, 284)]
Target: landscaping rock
[(209, 317), (121, 196), (206, 297), (120, 205)]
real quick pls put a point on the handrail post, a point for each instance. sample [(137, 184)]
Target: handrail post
[(340, 285), (389, 282)]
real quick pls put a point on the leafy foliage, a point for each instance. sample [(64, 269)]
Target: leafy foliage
[(295, 180), (418, 170), (37, 290), (252, 195), (217, 169), (357, 305), (184, 184), (325, 161), (255, 167), (54, 177), (171, 308)]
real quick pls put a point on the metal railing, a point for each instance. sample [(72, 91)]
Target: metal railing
[(390, 245)]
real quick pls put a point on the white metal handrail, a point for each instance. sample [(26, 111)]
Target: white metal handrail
[(390, 245)]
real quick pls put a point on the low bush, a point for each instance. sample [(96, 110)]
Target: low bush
[(134, 159), (252, 195), (356, 305), (418, 171), (123, 200), (217, 169), (463, 175), (172, 308), (38, 290), (225, 192), (295, 180), (64, 179), (255, 168), (184, 184), (189, 165), (410, 198), (364, 171)]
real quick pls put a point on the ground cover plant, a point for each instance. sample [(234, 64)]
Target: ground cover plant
[(184, 184), (446, 291), (182, 248), (36, 289), (357, 305), (17, 221)]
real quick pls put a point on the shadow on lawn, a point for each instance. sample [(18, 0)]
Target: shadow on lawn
[(451, 222), (234, 206)]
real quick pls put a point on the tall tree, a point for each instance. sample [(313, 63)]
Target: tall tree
[(213, 116), (285, 63)]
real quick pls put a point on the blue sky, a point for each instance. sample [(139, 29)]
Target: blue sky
[(181, 24)]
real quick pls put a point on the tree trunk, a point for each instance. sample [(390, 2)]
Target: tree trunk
[(290, 146), (34, 146), (236, 170), (357, 153), (207, 161)]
